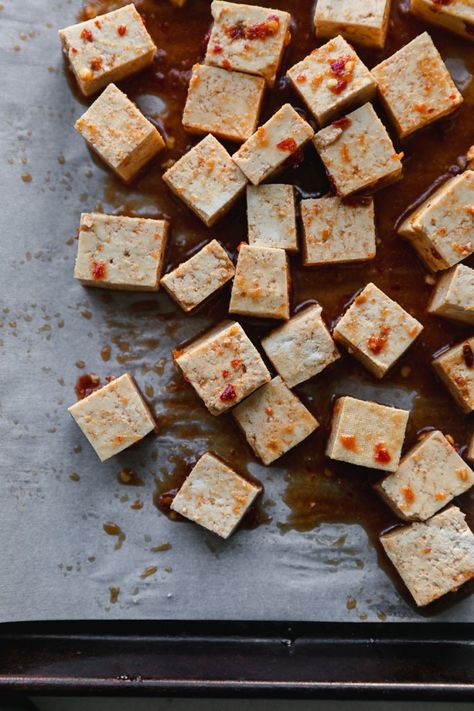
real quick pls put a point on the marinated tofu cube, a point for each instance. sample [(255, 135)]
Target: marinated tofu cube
[(331, 80), (215, 496), (274, 420), (248, 38), (336, 230), (199, 277), (454, 15), (453, 296), (415, 86), (262, 283), (113, 417), (206, 180), (367, 434), (302, 347), (362, 22), (433, 557), (357, 152), (116, 130), (456, 369), (265, 152), (223, 366), (429, 477), (107, 48), (226, 104), (376, 330), (271, 216), (441, 228), (115, 252)]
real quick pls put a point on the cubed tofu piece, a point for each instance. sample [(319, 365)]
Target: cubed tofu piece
[(248, 38), (302, 347), (415, 86), (107, 48), (454, 15), (376, 330), (441, 228), (332, 79), (113, 417), (262, 283), (207, 180), (429, 477), (336, 230), (453, 296), (274, 420), (433, 557), (358, 152), (200, 276), (226, 104), (215, 496), (266, 151), (116, 130), (456, 369), (115, 252), (363, 22), (367, 434), (223, 366), (271, 216)]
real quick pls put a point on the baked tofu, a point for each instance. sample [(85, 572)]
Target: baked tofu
[(271, 216), (363, 22), (261, 285), (454, 15), (453, 296), (455, 367)]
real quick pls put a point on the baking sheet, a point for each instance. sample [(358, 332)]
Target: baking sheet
[(56, 562)]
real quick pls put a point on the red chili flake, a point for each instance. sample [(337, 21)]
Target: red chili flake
[(349, 442), (260, 30), (338, 66), (122, 30), (98, 270), (217, 49), (96, 63), (226, 64), (381, 453), (408, 494), (301, 78), (98, 24), (288, 144), (228, 394), (236, 31), (87, 384), (236, 362), (377, 343), (339, 87), (468, 355), (225, 373), (435, 253), (87, 35), (342, 122), (73, 50)]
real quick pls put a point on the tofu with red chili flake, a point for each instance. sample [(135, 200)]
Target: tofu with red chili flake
[(115, 252), (119, 133), (430, 475), (367, 434), (357, 152), (207, 180), (272, 144), (455, 367), (215, 496), (226, 104), (453, 296), (336, 230), (107, 48), (248, 38), (362, 22), (261, 285), (274, 420), (332, 79), (441, 228), (415, 86), (271, 216), (223, 366), (376, 330), (454, 15)]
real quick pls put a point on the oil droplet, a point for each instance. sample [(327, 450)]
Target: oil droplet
[(26, 177), (149, 392), (161, 548), (112, 529), (351, 603), (105, 352), (74, 477), (151, 570), (114, 594), (137, 505), (80, 364)]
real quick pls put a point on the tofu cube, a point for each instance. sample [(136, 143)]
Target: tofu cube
[(274, 421), (226, 104), (261, 285), (116, 130), (357, 152), (440, 229), (271, 216), (336, 230), (265, 152), (206, 180), (456, 369), (331, 80), (115, 252), (215, 496), (376, 330), (453, 296), (223, 366), (302, 347), (199, 277), (433, 557), (107, 48), (367, 434), (454, 15), (429, 477), (113, 417), (415, 86), (248, 38), (362, 22)]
